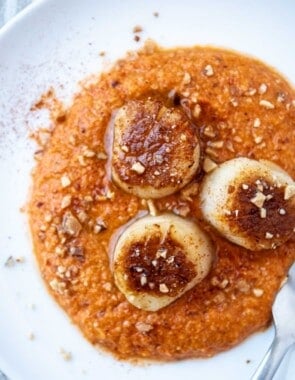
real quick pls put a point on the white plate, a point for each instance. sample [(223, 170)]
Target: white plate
[(56, 43)]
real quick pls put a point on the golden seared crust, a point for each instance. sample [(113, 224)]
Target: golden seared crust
[(156, 259), (223, 309), (156, 149), (261, 211), (245, 200), (157, 262)]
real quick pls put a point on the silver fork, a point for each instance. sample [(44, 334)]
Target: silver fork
[(283, 312)]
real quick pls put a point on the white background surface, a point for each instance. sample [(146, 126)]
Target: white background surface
[(56, 43)]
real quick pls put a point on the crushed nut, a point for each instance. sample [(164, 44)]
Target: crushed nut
[(81, 160), (43, 228), (186, 78), (209, 131), (107, 286), (211, 152), (143, 280), (143, 327), (289, 192), (66, 201), (99, 226), (282, 211), (163, 288), (9, 262), (262, 213), (88, 153), (61, 269), (109, 194), (38, 154), (65, 181), (138, 168), (197, 111), (125, 148), (170, 260), (137, 29), (20, 259), (48, 218), (101, 156), (237, 139), (82, 216), (88, 198), (234, 102), (220, 284), (182, 210), (190, 190), (258, 292), (154, 263), (77, 252), (58, 286), (66, 355), (250, 92), (219, 298), (216, 144), (60, 251), (258, 139), (151, 207), (245, 186), (243, 286), (268, 235), (262, 89), (162, 252), (183, 137), (256, 123), (266, 104), (281, 97), (209, 165), (31, 336), (70, 224), (223, 284), (72, 140), (258, 200), (208, 71), (229, 146)]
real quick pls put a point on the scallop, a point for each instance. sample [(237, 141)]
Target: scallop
[(156, 149), (159, 258), (250, 202)]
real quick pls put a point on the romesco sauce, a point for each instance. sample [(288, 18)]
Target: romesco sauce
[(241, 107)]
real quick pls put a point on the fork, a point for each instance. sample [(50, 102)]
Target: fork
[(283, 312)]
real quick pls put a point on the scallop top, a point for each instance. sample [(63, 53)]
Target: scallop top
[(156, 149)]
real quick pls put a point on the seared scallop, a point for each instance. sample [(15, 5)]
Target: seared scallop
[(159, 258), (156, 149), (251, 203)]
